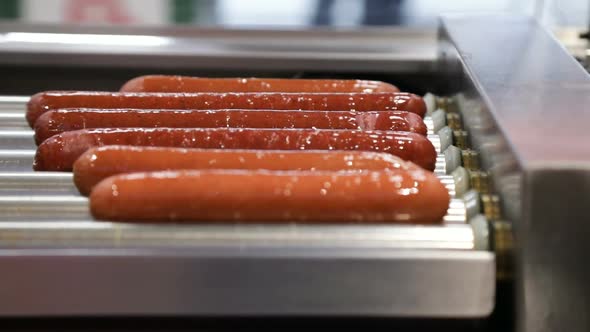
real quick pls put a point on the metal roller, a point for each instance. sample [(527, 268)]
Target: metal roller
[(13, 120), (36, 182), (17, 139), (14, 104), (43, 207), (106, 234), (16, 160), (435, 121)]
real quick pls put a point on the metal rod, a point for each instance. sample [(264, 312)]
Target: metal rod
[(13, 103), (16, 160), (43, 207), (36, 182), (17, 139), (94, 233), (13, 120)]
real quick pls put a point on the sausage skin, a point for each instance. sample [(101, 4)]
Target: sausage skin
[(59, 152), (57, 121), (99, 163), (396, 196), (165, 83), (362, 102)]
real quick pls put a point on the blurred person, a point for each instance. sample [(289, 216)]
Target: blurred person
[(382, 12), (376, 12)]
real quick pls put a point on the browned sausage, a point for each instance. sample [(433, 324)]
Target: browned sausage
[(59, 152), (163, 83), (97, 164), (57, 121), (396, 196), (361, 102)]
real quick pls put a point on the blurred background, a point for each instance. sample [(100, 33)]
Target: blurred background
[(410, 27), (295, 14)]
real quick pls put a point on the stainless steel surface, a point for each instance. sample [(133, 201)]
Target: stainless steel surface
[(526, 112), (17, 139), (247, 281), (12, 120), (377, 50), (37, 182), (435, 121), (43, 206), (116, 235), (12, 105), (16, 160)]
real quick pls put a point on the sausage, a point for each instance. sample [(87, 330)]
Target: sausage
[(396, 196), (163, 83), (97, 164), (59, 152), (57, 121), (362, 102)]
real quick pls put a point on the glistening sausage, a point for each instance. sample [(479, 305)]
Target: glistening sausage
[(362, 102), (57, 121), (97, 164), (59, 152), (164, 83), (397, 196)]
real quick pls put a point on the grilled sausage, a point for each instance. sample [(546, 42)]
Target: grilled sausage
[(97, 164), (164, 83), (362, 102), (57, 121), (59, 152), (396, 196)]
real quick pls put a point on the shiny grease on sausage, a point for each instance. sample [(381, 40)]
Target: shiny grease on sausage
[(361, 102), (99, 163), (59, 152), (57, 121), (396, 196), (166, 83)]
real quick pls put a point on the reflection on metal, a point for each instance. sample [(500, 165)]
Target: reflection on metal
[(16, 160), (39, 182), (105, 234), (17, 139), (525, 114), (393, 50), (43, 206), (13, 104), (321, 281)]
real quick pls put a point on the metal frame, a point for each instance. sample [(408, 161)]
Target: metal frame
[(526, 108), (370, 50), (245, 281)]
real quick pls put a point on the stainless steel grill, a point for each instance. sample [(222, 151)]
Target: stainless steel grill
[(512, 153)]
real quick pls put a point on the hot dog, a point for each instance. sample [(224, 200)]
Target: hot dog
[(59, 152), (397, 196), (97, 164), (362, 102), (163, 83), (57, 121)]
